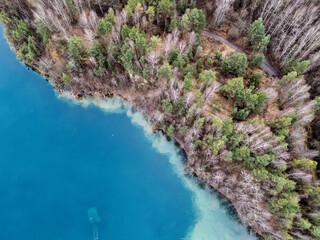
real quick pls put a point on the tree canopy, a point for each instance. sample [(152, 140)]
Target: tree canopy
[(256, 36)]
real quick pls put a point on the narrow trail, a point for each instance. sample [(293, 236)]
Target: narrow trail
[(267, 66)]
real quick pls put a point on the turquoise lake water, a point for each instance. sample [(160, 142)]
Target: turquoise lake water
[(59, 158)]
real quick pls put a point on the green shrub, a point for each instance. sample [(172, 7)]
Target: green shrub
[(197, 19), (191, 111), (188, 83), (69, 68), (280, 126), (236, 64), (206, 76), (66, 79), (151, 12), (76, 51), (255, 79), (165, 71), (173, 55), (315, 231), (245, 101), (227, 128), (216, 146), (179, 106), (5, 18), (256, 36), (242, 153), (155, 41), (131, 6), (304, 223), (188, 70), (257, 61), (139, 38), (200, 65), (44, 32), (305, 164), (179, 61), (263, 160), (28, 51), (262, 96), (235, 141), (240, 114), (185, 23), (20, 30), (97, 51), (261, 173), (218, 55), (216, 122), (165, 7), (105, 25), (167, 105), (233, 88), (173, 24), (170, 130), (126, 57), (182, 7), (296, 66), (183, 130), (209, 62)]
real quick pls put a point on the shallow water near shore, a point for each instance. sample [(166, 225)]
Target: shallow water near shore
[(59, 158)]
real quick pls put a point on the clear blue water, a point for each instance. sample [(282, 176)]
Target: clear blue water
[(58, 159)]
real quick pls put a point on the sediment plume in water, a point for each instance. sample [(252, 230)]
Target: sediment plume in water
[(213, 221)]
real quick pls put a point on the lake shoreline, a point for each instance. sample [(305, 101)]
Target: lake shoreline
[(181, 145), (144, 100), (176, 141), (243, 130)]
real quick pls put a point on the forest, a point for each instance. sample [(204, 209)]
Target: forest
[(253, 137)]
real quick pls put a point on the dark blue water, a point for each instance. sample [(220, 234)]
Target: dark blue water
[(59, 159)]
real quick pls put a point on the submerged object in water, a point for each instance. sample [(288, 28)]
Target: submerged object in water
[(93, 215), (94, 219)]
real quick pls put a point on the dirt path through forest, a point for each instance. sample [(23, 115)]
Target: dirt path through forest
[(267, 67)]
